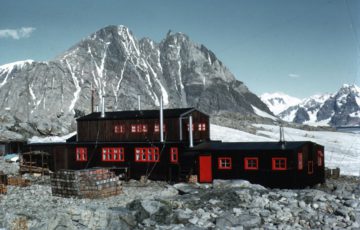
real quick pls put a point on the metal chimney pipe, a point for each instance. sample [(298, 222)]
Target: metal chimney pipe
[(103, 107), (92, 99), (161, 121), (139, 103), (191, 143), (97, 108)]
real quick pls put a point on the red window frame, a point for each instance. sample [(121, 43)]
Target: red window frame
[(119, 128), (251, 163), (174, 155), (279, 163), (133, 128), (157, 128), (224, 163), (300, 161), (81, 154), (139, 128), (310, 167), (202, 126), (112, 154), (320, 158), (147, 154)]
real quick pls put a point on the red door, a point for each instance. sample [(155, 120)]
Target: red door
[(205, 169)]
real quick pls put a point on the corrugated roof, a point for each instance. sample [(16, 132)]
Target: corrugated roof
[(136, 114), (251, 145)]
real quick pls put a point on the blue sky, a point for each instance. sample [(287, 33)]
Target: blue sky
[(300, 47)]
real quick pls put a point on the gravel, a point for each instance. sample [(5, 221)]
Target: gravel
[(157, 205)]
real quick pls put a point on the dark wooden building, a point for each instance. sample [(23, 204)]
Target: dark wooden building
[(142, 125), (273, 164), (11, 147), (130, 143)]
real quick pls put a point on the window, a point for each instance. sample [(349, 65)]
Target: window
[(157, 128), (150, 154), (278, 163), (133, 128), (320, 157), (112, 154), (139, 128), (119, 129), (251, 163), (174, 155), (300, 161), (310, 167), (81, 154), (202, 127), (224, 163)]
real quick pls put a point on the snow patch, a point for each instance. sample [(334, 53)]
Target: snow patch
[(233, 135), (341, 149), (179, 74), (163, 90), (261, 113), (132, 42), (8, 68), (18, 64), (209, 59), (77, 86), (116, 90), (355, 114), (51, 139)]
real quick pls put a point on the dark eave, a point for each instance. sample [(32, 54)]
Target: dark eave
[(213, 146), (137, 114)]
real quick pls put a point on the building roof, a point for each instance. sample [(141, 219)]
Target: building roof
[(137, 114), (251, 145)]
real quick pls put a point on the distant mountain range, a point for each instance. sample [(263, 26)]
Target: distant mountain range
[(44, 97), (338, 109)]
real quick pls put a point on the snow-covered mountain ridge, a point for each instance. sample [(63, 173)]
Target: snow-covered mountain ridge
[(45, 96), (278, 102), (341, 108)]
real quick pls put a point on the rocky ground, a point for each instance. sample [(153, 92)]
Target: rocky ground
[(158, 205)]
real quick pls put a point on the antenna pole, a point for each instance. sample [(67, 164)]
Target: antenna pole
[(282, 136), (92, 98), (161, 120)]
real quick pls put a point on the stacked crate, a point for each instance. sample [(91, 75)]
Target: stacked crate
[(3, 189), (86, 183), (17, 181)]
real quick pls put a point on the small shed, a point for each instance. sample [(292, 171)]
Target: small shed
[(11, 146)]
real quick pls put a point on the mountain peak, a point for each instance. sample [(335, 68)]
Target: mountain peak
[(119, 67), (338, 109), (349, 88), (278, 101), (18, 64)]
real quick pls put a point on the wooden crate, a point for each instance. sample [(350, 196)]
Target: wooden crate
[(3, 189), (18, 181)]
